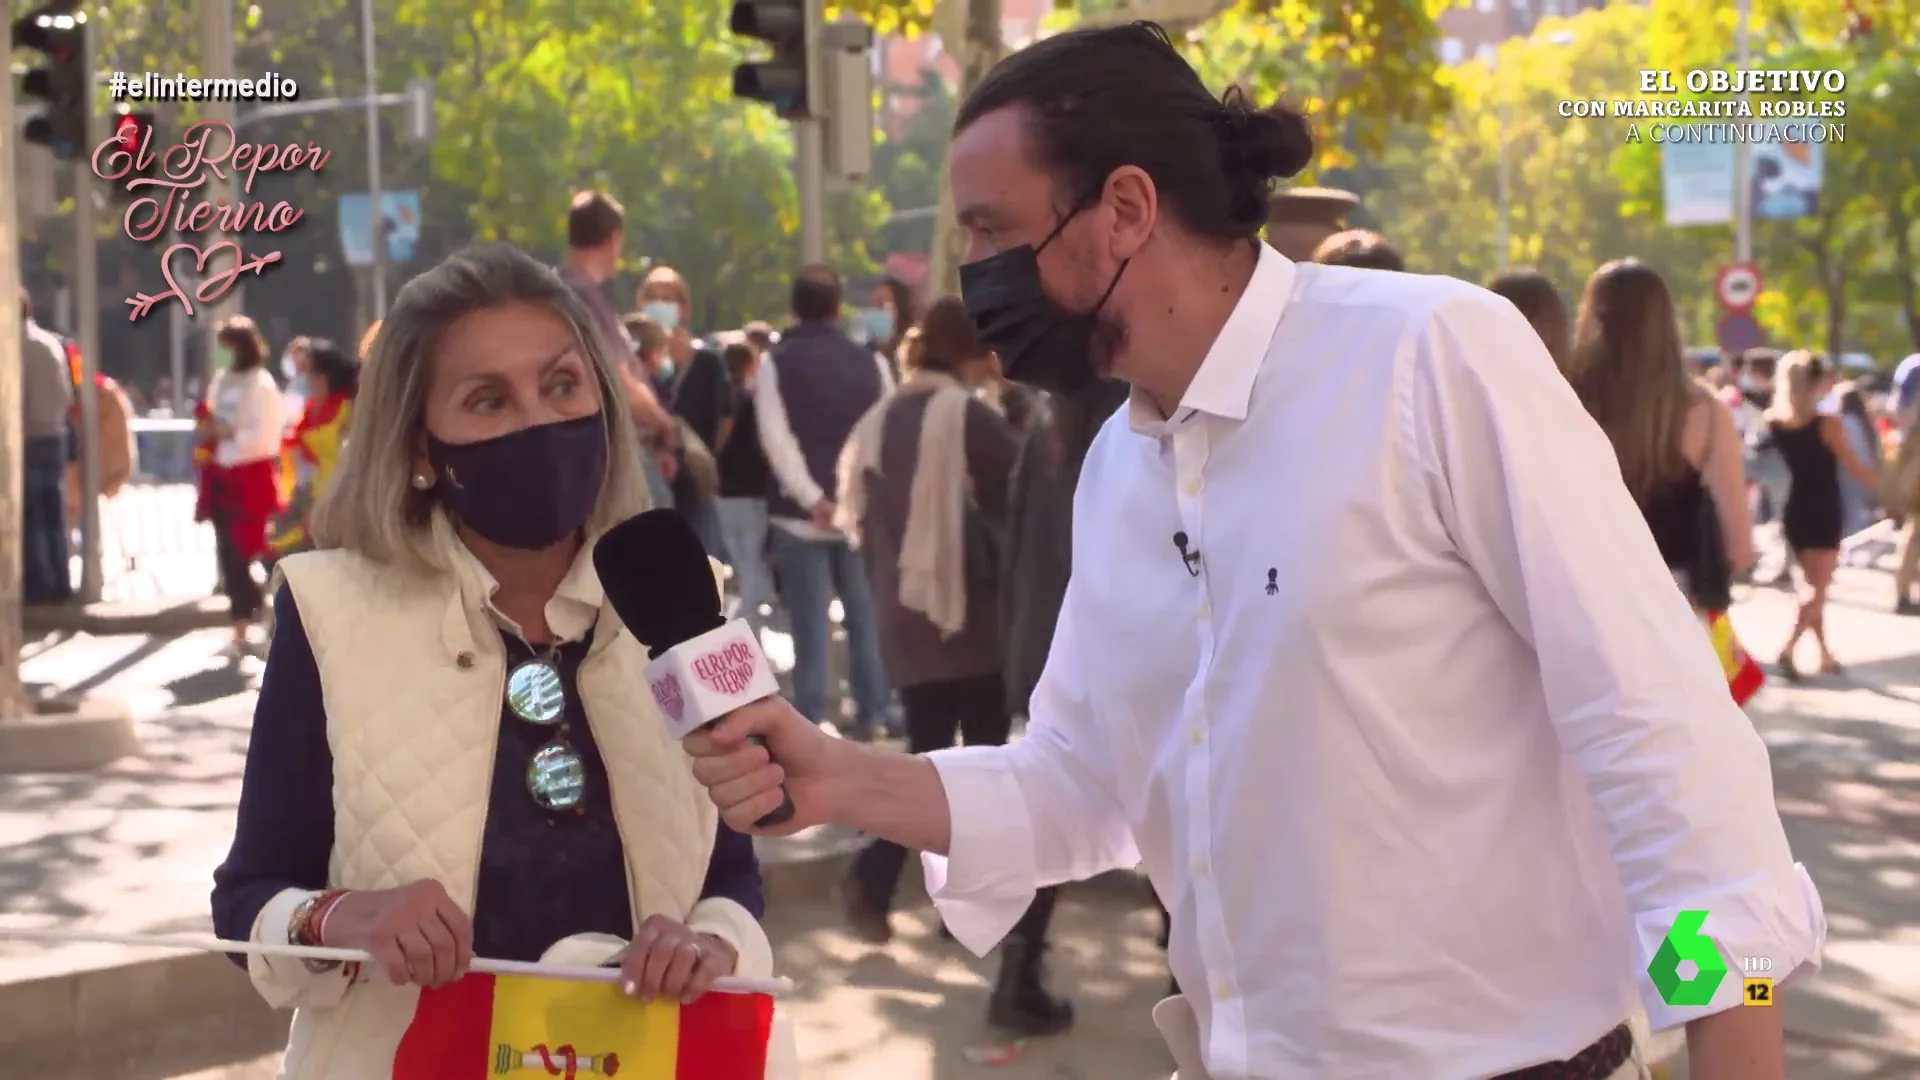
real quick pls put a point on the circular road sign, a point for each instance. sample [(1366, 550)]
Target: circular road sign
[(1737, 286)]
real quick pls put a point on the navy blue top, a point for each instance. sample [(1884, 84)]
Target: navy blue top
[(542, 877)]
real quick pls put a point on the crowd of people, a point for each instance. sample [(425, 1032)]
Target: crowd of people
[(1334, 499), (1714, 446)]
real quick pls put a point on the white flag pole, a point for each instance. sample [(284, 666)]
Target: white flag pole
[(726, 984)]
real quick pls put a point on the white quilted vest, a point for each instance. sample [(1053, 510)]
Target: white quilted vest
[(412, 672)]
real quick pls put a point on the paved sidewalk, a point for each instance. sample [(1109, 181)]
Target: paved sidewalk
[(131, 847)]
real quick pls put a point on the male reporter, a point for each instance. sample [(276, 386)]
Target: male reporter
[(1367, 654)]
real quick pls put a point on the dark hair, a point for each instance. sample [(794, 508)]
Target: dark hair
[(738, 356), (1534, 294), (328, 361), (593, 219), (903, 313), (1098, 99), (648, 336), (26, 303), (1629, 370), (242, 338), (816, 294), (1358, 247), (944, 339)]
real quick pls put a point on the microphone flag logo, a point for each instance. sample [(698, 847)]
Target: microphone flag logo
[(666, 694)]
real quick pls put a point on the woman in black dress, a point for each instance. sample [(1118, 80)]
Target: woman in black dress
[(1814, 447)]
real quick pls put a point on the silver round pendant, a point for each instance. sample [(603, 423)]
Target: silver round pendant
[(556, 777), (534, 693)]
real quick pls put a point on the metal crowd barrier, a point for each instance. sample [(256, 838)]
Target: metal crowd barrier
[(151, 548)]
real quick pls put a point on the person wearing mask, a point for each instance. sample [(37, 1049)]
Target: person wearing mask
[(884, 322), (695, 477), (1814, 447), (330, 379), (451, 621), (650, 349), (46, 399), (745, 481), (811, 390), (1361, 248), (1534, 295), (247, 417), (596, 232), (293, 368), (701, 395), (922, 493), (1362, 622)]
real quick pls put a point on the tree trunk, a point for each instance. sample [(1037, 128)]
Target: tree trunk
[(981, 47), (13, 698), (1901, 226)]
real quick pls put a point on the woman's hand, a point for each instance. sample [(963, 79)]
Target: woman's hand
[(668, 959), (416, 933)]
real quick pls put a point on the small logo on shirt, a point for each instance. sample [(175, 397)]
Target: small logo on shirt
[(1273, 581)]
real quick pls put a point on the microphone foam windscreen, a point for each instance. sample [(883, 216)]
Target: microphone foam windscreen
[(656, 575)]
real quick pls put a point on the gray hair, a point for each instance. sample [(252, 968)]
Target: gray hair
[(371, 507)]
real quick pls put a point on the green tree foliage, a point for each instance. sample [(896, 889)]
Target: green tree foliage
[(1846, 278), (1581, 192), (1356, 69), (1567, 212), (536, 99)]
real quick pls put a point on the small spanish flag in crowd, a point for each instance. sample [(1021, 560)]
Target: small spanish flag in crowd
[(1744, 675), (527, 1026)]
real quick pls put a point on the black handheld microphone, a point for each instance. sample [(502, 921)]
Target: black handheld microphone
[(1191, 558), (656, 575)]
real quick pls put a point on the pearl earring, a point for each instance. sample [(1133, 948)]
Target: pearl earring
[(421, 481)]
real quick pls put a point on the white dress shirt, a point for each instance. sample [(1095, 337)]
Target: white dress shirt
[(1430, 751)]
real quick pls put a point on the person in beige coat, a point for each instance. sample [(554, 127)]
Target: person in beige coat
[(454, 752)]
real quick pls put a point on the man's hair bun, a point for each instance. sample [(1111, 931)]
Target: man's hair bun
[(1263, 144), (1258, 146)]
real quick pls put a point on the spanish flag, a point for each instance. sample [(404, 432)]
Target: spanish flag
[(526, 1026), (1744, 675)]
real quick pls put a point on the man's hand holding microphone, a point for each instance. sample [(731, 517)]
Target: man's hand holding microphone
[(769, 770)]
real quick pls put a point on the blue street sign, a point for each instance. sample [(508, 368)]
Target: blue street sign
[(1738, 332), (401, 211)]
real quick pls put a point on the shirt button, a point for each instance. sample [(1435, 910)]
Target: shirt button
[(464, 661), (1198, 735), (1199, 868), (1222, 991), (1191, 487)]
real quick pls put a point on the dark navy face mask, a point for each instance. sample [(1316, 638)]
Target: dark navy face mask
[(1039, 343), (529, 489)]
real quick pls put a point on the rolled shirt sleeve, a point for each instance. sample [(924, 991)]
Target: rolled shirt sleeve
[(1035, 813), (1530, 490)]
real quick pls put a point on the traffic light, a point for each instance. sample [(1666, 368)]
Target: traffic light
[(789, 80), (63, 84), (131, 130)]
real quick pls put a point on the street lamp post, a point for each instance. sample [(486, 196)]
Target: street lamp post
[(377, 215)]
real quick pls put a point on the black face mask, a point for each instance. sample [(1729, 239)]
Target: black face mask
[(1039, 343), (527, 490)]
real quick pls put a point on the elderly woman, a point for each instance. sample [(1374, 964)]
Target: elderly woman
[(455, 753)]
